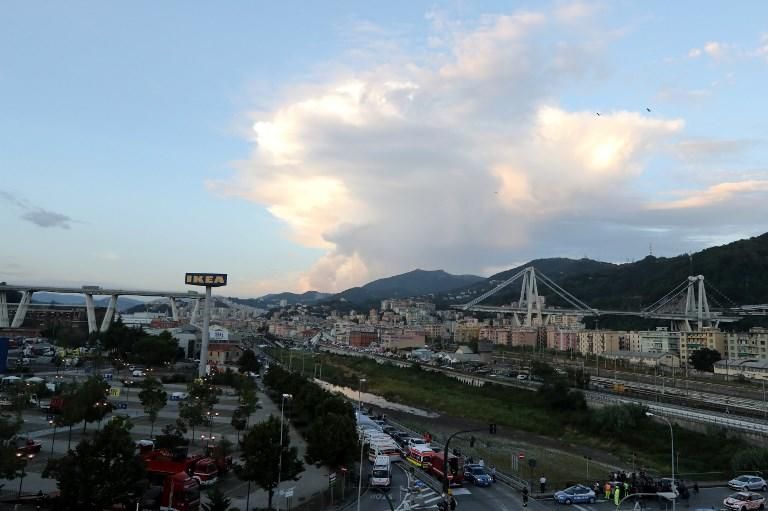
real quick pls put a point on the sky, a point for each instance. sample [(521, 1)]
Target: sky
[(321, 145)]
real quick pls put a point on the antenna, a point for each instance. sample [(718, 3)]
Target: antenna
[(650, 249)]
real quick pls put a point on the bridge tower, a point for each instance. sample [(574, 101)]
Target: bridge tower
[(696, 305)]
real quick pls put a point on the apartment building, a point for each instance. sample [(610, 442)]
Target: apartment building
[(660, 340), (748, 345), (362, 336), (711, 338), (592, 342), (561, 339)]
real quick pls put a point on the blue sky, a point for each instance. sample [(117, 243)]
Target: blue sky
[(388, 136)]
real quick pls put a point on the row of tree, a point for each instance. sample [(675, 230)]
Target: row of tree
[(326, 421)]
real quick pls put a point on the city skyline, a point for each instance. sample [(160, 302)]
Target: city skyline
[(300, 147)]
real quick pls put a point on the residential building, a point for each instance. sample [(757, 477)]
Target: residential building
[(661, 340), (707, 337), (562, 339), (362, 336), (592, 342), (224, 353), (748, 345)]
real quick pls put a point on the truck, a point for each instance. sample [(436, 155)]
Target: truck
[(178, 492), (455, 468), (162, 463)]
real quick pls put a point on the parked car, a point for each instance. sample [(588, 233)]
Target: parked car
[(477, 475), (137, 373), (747, 482), (577, 494), (179, 396), (744, 501)]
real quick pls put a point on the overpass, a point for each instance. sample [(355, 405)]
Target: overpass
[(27, 291)]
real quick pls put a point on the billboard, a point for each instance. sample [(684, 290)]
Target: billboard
[(206, 279)]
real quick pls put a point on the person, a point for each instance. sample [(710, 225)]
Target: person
[(481, 462), (525, 496), (607, 489), (493, 473), (695, 488), (452, 504), (542, 484), (617, 495)]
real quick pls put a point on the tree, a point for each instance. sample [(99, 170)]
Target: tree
[(10, 464), (249, 362), (217, 501), (100, 472), (261, 450), (91, 400), (332, 440), (238, 422), (704, 359), (153, 398), (249, 401), (193, 413), (155, 350), (172, 436), (203, 392)]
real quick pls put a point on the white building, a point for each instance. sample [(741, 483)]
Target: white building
[(660, 340)]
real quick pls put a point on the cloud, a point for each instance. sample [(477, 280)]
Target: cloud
[(713, 49), (38, 216), (716, 194), (707, 150), (462, 160)]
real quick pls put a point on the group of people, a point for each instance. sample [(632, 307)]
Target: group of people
[(621, 484)]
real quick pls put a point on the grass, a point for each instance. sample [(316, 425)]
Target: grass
[(621, 433)]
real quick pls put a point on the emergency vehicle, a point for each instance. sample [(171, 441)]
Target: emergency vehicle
[(420, 456), (163, 463), (179, 492), (381, 475), (455, 468), (384, 447)]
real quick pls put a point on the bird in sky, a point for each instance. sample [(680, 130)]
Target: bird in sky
[(648, 109), (597, 113)]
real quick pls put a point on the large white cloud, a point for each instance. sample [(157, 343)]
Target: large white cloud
[(461, 160)]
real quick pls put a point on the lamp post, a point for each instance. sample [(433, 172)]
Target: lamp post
[(360, 476), (280, 462), (211, 416), (53, 440), (672, 439)]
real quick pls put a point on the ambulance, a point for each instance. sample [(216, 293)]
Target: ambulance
[(420, 456)]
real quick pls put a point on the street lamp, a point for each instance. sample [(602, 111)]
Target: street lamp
[(672, 438), (359, 409), (53, 440), (280, 462), (211, 416)]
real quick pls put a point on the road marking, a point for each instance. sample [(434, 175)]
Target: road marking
[(433, 499), (581, 508), (462, 491)]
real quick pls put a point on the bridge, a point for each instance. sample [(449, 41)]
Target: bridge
[(687, 305), (89, 291)]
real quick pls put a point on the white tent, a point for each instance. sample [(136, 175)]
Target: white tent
[(11, 379), (35, 379)]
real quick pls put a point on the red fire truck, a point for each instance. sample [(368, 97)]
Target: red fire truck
[(179, 492), (455, 468), (163, 462)]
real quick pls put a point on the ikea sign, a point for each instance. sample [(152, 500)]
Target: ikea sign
[(206, 279)]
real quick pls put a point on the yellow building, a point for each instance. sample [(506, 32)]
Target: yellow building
[(711, 338)]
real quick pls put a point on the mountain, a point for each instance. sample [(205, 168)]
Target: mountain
[(123, 303), (412, 284), (273, 300)]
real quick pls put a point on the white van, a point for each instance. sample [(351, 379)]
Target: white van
[(381, 475), (382, 447)]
